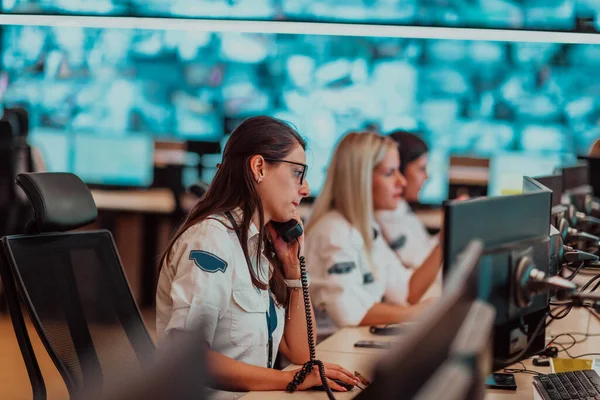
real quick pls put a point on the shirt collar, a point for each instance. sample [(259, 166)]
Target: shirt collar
[(403, 207)]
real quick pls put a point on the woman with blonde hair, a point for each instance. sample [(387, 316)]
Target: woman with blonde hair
[(357, 278)]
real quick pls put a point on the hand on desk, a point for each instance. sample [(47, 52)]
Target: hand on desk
[(332, 371)]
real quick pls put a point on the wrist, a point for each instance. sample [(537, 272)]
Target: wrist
[(285, 378), (291, 270), (291, 275)]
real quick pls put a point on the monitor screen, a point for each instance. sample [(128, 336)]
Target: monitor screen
[(114, 160), (54, 147), (508, 169)]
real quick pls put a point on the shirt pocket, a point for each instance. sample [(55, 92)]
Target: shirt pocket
[(248, 318)]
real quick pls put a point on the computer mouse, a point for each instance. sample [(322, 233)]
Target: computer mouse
[(343, 384)]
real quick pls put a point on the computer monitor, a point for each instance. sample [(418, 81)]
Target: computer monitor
[(114, 160), (54, 147), (510, 228), (576, 184), (507, 170), (555, 184), (575, 177), (594, 175), (420, 352)]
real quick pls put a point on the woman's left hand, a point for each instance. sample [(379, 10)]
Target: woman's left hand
[(287, 253)]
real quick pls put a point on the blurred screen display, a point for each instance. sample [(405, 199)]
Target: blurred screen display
[(463, 97), (119, 161), (102, 160), (561, 15), (508, 169)]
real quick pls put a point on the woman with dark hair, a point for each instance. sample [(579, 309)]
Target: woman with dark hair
[(595, 149), (402, 229), (228, 270)]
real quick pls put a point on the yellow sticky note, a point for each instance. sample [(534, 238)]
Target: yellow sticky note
[(569, 364)]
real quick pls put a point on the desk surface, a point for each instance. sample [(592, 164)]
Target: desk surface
[(156, 201), (339, 349)]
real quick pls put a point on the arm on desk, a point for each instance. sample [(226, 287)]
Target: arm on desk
[(235, 375), (232, 375), (385, 313)]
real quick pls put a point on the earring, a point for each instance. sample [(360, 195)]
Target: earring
[(259, 180)]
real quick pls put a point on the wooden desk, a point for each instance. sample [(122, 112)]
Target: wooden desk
[(339, 349), (343, 341), (154, 201)]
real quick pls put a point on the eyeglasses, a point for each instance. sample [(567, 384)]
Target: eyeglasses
[(304, 166)]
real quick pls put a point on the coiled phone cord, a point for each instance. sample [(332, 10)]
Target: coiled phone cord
[(301, 375)]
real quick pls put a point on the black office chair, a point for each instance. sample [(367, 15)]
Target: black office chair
[(15, 158), (74, 290)]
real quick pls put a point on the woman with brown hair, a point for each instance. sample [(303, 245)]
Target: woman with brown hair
[(228, 270)]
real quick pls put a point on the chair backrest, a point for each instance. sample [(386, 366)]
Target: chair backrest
[(15, 157), (74, 287), (7, 176)]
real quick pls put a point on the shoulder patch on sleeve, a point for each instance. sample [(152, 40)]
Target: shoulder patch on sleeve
[(341, 268), (207, 261), (398, 243)]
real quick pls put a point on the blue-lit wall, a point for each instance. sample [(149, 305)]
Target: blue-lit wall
[(465, 97)]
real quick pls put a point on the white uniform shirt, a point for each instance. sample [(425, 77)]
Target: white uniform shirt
[(342, 281), (207, 282), (406, 234)]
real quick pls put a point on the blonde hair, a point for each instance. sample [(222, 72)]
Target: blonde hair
[(348, 187), (595, 150)]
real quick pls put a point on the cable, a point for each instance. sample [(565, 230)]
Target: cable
[(570, 277), (561, 314), (571, 345), (566, 350), (595, 287), (307, 368), (566, 347), (523, 370), (590, 282)]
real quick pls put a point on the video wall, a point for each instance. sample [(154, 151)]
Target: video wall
[(563, 15), (463, 97)]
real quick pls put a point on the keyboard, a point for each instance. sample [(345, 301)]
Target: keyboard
[(568, 385)]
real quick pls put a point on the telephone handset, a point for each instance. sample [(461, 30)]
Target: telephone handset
[(289, 231)]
